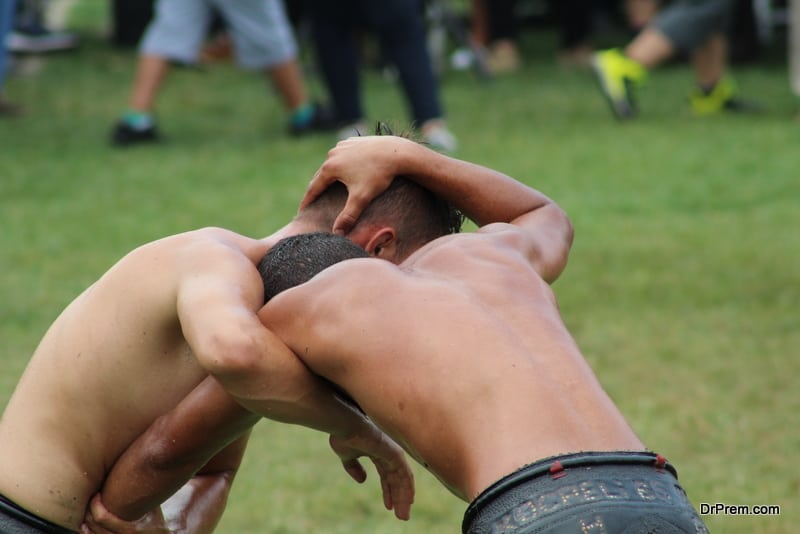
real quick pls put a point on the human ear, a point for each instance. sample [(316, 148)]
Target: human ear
[(382, 244)]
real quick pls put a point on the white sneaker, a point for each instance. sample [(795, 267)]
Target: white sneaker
[(40, 41), (438, 137), (355, 129)]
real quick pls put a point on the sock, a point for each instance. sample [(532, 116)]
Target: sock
[(302, 115), (708, 89), (139, 120)]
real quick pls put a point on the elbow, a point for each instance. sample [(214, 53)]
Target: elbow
[(162, 451), (230, 353), (159, 456), (561, 229), (562, 235), (567, 230)]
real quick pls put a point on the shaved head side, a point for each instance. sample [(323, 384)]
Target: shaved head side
[(418, 215)]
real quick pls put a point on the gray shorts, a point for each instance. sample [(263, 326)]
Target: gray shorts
[(259, 29), (689, 23)]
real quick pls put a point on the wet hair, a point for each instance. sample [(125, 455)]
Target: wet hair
[(418, 215), (297, 259)]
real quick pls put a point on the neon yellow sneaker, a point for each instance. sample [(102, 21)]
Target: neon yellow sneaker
[(723, 97), (618, 76)]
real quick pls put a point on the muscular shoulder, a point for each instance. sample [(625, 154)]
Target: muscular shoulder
[(507, 234), (350, 285), (492, 242), (544, 252), (217, 263), (159, 268), (350, 280), (195, 250), (214, 241)]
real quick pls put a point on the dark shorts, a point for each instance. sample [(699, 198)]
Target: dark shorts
[(16, 520), (616, 492)]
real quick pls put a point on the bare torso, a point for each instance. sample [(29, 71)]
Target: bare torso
[(113, 361), (460, 355)]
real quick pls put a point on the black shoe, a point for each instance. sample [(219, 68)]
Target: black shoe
[(9, 109), (323, 119), (124, 135)]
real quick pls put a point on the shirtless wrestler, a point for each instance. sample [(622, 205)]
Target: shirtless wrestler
[(152, 328), (465, 335)]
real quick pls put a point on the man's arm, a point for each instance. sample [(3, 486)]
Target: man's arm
[(204, 437), (217, 302), (280, 387), (217, 299), (187, 438), (195, 508), (367, 165)]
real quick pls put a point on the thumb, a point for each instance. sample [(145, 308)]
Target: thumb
[(96, 506)]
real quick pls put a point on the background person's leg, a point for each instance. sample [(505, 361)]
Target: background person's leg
[(399, 25), (7, 9), (333, 31), (263, 39), (794, 46), (688, 24), (176, 33)]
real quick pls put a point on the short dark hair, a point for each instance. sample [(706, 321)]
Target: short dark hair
[(297, 259), (418, 214)]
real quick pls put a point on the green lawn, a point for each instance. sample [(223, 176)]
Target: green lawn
[(682, 289)]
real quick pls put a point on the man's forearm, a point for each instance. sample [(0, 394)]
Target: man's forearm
[(130, 491), (194, 509), (278, 385), (206, 433), (482, 194), (312, 403), (198, 506)]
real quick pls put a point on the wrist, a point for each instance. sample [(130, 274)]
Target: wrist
[(362, 428), (411, 158)]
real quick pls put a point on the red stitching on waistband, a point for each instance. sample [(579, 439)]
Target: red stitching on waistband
[(557, 470)]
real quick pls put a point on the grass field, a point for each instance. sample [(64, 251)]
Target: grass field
[(682, 289)]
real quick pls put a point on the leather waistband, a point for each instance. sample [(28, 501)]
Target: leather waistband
[(557, 466), (13, 510)]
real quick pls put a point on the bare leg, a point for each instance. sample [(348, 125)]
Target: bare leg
[(794, 47), (305, 116), (650, 48), (709, 61), (640, 12), (715, 91), (150, 74), (479, 22), (287, 79), (137, 124)]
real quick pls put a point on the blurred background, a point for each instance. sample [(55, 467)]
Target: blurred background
[(684, 280)]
